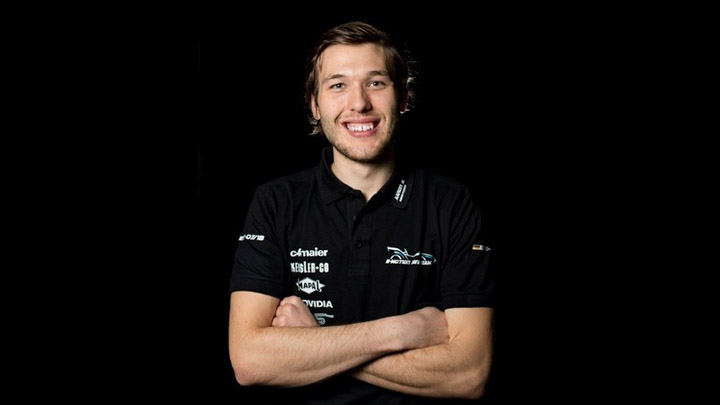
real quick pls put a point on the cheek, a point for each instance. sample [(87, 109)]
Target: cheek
[(385, 103), (332, 109), (328, 105)]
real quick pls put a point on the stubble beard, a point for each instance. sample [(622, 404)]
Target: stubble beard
[(361, 154)]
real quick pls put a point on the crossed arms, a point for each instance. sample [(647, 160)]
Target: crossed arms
[(425, 352)]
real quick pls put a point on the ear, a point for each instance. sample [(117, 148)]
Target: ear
[(404, 104), (314, 108)]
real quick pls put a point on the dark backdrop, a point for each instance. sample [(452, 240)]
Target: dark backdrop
[(513, 106)]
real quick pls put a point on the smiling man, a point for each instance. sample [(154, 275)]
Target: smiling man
[(362, 280), (356, 102)]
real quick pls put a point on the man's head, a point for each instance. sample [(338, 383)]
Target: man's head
[(357, 86)]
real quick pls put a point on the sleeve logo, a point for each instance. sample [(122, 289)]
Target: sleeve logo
[(249, 236)]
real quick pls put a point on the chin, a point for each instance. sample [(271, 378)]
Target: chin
[(364, 155), (375, 149)]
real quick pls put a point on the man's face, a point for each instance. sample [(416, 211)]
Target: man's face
[(356, 101)]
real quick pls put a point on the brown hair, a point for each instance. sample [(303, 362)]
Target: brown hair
[(356, 33)]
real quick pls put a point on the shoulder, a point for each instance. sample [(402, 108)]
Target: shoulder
[(440, 185)]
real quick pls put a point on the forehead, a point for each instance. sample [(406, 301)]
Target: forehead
[(349, 59)]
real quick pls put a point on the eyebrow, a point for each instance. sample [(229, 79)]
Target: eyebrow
[(369, 74)]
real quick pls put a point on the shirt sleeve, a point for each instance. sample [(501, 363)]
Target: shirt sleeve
[(260, 263), (466, 280)]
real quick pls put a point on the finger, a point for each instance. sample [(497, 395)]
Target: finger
[(292, 299), (281, 309)]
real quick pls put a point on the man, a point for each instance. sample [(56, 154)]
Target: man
[(361, 281)]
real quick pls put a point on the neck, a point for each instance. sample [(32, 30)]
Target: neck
[(366, 177)]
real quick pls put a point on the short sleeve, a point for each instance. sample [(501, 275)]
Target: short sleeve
[(466, 279), (259, 264)]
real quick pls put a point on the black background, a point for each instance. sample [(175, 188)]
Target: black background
[(521, 107)]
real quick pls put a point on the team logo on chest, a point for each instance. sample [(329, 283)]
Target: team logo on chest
[(401, 256), (300, 252), (309, 286)]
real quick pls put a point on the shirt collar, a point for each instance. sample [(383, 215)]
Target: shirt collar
[(331, 189), (398, 188)]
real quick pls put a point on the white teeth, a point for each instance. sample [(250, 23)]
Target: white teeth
[(360, 127)]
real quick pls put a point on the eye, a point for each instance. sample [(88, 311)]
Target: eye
[(337, 86), (376, 83)]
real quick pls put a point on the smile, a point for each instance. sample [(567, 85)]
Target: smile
[(360, 127)]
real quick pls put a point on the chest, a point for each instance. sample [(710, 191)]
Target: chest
[(350, 264)]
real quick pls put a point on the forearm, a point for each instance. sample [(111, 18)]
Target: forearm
[(285, 356), (458, 368), (272, 343), (436, 371)]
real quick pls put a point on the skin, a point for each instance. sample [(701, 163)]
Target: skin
[(262, 354), (458, 368), (425, 352), (354, 92)]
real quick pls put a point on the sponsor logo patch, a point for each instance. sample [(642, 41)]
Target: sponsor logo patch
[(400, 192), (318, 303), (401, 256), (322, 317), (249, 236), (300, 252), (309, 267), (309, 286)]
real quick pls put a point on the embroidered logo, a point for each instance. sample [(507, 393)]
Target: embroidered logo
[(401, 256), (249, 236), (321, 317), (400, 192), (318, 303), (300, 252), (309, 286)]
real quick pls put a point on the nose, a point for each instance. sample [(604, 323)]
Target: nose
[(358, 99)]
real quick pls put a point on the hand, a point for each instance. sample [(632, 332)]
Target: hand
[(292, 312)]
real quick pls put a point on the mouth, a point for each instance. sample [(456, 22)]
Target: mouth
[(361, 128)]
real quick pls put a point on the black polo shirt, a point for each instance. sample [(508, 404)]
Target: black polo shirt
[(416, 243)]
